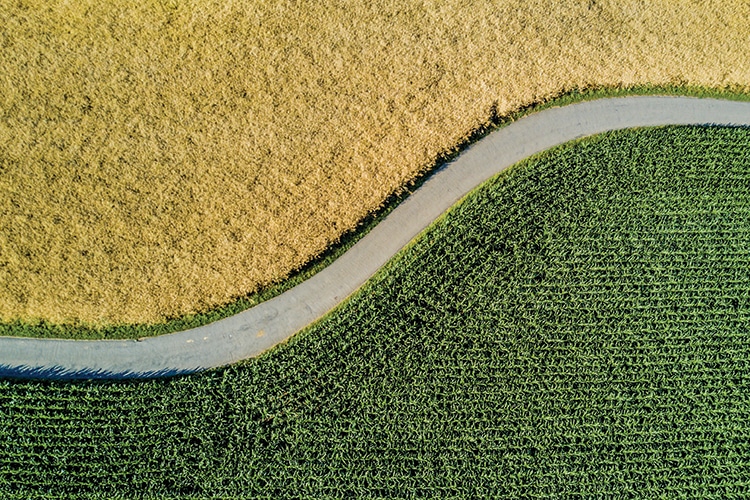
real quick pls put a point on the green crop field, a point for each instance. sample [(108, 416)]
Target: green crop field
[(579, 326)]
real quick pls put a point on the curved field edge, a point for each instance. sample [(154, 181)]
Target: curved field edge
[(404, 256), (415, 398), (43, 329)]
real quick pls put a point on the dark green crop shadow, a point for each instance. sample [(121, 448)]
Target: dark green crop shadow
[(577, 327), (43, 329)]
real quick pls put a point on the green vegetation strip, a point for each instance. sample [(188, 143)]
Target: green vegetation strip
[(579, 326), (42, 329)]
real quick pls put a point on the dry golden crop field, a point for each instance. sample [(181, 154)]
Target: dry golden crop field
[(159, 158)]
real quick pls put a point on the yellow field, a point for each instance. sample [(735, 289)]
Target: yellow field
[(164, 158)]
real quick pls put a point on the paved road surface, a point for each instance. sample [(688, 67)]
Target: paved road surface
[(257, 329)]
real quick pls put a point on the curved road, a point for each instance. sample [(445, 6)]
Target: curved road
[(257, 329)]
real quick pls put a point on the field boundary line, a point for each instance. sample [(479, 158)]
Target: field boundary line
[(255, 330)]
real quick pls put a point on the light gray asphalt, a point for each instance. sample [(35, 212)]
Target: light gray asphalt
[(255, 330)]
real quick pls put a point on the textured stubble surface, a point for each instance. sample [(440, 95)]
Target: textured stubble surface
[(166, 157)]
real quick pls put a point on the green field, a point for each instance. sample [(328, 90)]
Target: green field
[(578, 326)]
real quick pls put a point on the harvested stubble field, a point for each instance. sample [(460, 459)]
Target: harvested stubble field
[(159, 158), (578, 326)]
